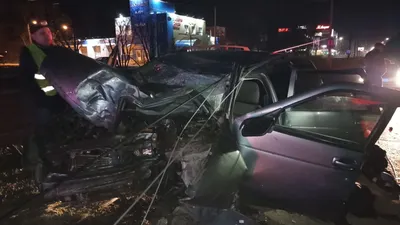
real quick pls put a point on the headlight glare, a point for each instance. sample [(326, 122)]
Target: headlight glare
[(398, 77)]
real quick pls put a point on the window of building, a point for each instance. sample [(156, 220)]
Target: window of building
[(83, 50), (97, 49), (193, 29), (186, 29)]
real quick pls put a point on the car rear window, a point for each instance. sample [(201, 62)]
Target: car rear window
[(234, 49), (308, 80)]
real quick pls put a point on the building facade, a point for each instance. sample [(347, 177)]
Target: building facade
[(157, 27), (97, 47), (323, 37)]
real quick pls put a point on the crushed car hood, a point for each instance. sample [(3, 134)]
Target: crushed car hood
[(96, 90)]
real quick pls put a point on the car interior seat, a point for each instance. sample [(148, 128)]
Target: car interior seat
[(248, 98)]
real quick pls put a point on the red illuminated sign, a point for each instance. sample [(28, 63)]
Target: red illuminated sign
[(281, 30), (322, 27)]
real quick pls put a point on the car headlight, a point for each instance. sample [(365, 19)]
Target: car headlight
[(361, 80), (398, 77)]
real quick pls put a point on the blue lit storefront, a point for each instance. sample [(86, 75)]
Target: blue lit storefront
[(161, 30)]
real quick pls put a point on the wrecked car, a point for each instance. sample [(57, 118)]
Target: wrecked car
[(270, 142)]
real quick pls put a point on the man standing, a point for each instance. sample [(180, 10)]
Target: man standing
[(43, 96), (375, 65)]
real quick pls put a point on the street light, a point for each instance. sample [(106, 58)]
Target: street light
[(66, 28), (340, 38), (387, 39)]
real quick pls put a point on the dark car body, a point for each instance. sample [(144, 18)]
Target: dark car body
[(102, 59)]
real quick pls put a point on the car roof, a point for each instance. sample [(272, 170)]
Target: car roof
[(353, 71), (243, 58)]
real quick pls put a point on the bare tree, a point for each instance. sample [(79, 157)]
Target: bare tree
[(127, 37), (141, 30), (65, 37)]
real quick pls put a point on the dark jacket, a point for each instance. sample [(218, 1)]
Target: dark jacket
[(28, 69), (375, 64)]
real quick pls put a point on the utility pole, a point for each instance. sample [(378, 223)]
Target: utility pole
[(355, 48), (330, 34), (215, 25), (190, 36)]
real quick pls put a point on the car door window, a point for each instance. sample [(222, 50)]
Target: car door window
[(306, 82), (280, 78), (248, 98), (344, 117), (251, 96)]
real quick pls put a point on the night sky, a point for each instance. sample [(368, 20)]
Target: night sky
[(245, 20)]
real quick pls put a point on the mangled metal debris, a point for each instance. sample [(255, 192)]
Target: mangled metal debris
[(109, 98), (97, 92)]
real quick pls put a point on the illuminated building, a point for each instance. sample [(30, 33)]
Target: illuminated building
[(323, 38), (156, 25)]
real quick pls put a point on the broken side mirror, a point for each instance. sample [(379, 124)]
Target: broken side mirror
[(257, 126)]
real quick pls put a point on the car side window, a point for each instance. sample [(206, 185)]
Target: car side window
[(306, 82), (338, 116), (280, 78), (251, 96)]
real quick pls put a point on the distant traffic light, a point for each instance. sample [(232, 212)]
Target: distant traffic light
[(282, 30)]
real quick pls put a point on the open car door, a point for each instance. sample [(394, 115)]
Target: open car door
[(306, 152)]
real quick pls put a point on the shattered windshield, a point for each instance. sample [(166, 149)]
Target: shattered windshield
[(171, 64), (205, 63)]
